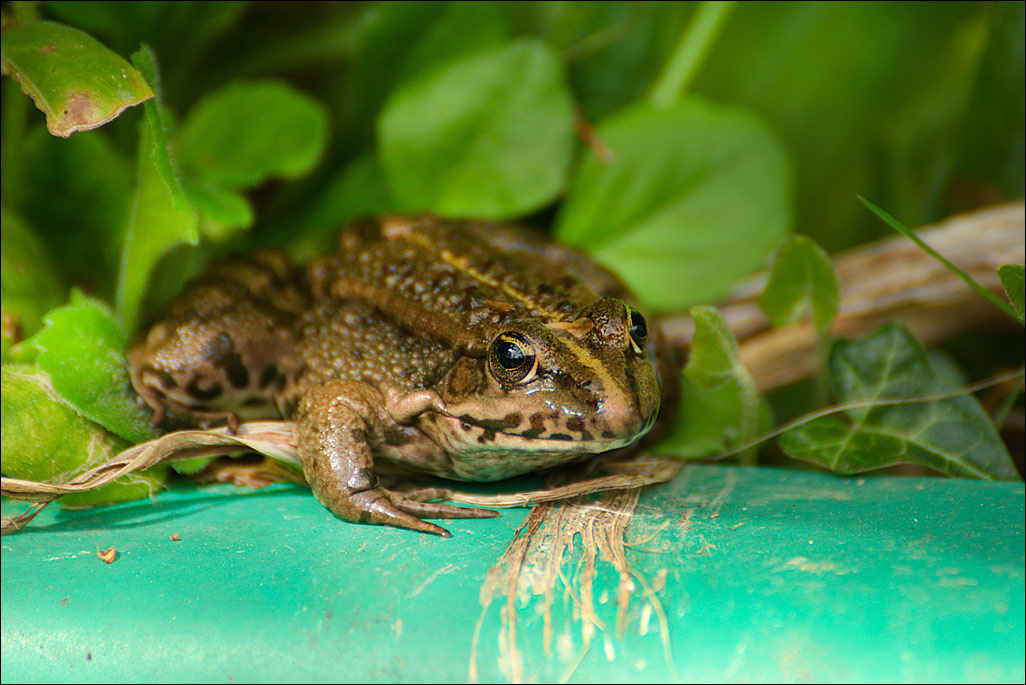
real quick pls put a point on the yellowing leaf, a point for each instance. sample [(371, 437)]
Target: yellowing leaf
[(77, 82)]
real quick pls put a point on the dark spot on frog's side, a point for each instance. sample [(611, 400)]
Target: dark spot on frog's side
[(512, 420), (238, 374), (268, 375), (576, 424), (229, 360), (203, 394), (396, 437)]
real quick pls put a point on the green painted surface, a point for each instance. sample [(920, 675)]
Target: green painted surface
[(768, 575)]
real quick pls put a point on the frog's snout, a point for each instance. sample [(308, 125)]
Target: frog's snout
[(627, 415)]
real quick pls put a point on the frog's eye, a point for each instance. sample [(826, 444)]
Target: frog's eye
[(512, 358), (638, 330)]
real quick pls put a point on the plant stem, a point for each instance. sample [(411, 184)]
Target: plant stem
[(749, 412), (689, 53), (1002, 413), (910, 234)]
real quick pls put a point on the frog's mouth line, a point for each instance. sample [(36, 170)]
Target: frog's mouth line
[(566, 441)]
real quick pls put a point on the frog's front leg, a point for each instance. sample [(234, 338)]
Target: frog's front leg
[(337, 421)]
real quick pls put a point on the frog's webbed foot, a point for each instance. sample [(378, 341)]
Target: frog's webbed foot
[(334, 420), (385, 507), (204, 418)]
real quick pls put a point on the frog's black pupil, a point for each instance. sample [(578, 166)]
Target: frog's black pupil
[(512, 358), (510, 355), (639, 329)]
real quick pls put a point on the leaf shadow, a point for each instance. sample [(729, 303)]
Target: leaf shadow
[(153, 512)]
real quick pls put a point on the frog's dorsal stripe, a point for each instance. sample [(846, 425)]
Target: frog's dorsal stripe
[(466, 289), (462, 265), (417, 233)]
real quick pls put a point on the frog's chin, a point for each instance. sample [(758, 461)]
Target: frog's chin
[(479, 451)]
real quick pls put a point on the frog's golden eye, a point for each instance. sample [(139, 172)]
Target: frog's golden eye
[(638, 330), (512, 359)]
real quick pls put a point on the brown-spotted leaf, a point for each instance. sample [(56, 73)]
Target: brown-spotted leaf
[(77, 82)]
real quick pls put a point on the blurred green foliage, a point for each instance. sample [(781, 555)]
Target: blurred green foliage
[(273, 123)]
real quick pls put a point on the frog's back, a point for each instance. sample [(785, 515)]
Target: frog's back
[(450, 281)]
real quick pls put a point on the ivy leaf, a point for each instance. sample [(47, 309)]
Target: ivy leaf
[(802, 278), (1012, 278), (714, 351), (161, 215), (490, 135), (247, 132), (44, 439), (697, 196), (81, 348), (77, 82), (954, 436)]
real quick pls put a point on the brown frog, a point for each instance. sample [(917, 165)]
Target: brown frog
[(469, 351)]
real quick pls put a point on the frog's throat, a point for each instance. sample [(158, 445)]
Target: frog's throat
[(491, 433)]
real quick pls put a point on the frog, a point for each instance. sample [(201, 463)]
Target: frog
[(459, 349)]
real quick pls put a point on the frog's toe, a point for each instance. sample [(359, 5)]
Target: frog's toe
[(434, 510), (376, 506)]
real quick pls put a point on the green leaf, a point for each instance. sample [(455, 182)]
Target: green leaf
[(714, 363), (222, 212), (247, 132), (82, 350), (696, 197), (44, 439), (710, 421), (161, 215), (848, 116), (397, 41), (993, 135), (490, 135), (73, 79), (176, 30), (802, 278), (954, 436), (85, 183), (714, 353), (614, 50), (1012, 278), (29, 284), (358, 190)]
